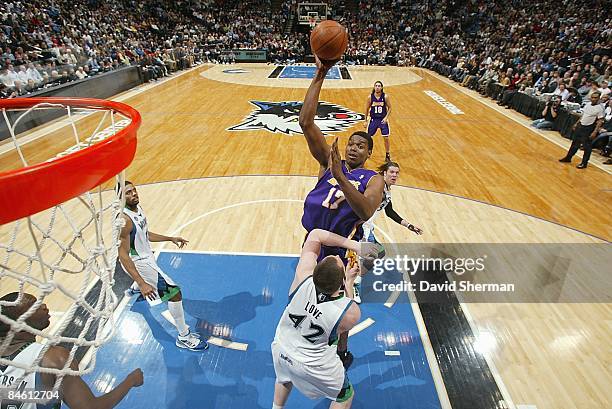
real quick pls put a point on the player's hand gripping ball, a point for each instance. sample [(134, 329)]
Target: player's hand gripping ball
[(329, 40)]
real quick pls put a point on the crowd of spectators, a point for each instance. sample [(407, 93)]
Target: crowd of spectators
[(558, 51), (46, 43)]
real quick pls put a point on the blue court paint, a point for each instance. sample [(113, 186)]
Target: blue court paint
[(296, 71), (241, 298)]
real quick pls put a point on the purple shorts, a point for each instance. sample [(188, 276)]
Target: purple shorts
[(375, 124)]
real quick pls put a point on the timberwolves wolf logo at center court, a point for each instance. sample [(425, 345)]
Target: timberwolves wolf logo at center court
[(283, 117)]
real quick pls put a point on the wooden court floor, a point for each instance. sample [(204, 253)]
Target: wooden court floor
[(479, 177)]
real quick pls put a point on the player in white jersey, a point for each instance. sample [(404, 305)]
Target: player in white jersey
[(23, 349), (304, 350), (390, 172), (138, 261)]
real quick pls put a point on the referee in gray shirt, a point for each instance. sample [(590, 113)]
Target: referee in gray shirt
[(585, 130)]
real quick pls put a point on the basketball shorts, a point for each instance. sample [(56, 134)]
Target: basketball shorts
[(315, 382), (376, 124), (153, 275)]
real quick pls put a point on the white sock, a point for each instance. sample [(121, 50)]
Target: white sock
[(275, 406), (358, 280), (176, 310)]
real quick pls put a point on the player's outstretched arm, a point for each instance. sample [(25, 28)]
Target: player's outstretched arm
[(75, 393), (351, 273), (353, 314), (312, 248), (156, 237), (314, 137), (400, 220)]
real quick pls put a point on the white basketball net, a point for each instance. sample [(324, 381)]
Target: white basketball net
[(61, 254)]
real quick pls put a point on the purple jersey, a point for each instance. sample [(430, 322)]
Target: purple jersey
[(326, 208), (378, 109)]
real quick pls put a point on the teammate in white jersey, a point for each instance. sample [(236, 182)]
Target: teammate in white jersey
[(23, 349), (390, 172), (304, 350), (138, 261)]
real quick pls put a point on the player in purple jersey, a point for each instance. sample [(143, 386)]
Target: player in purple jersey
[(327, 205), (378, 108), (346, 194)]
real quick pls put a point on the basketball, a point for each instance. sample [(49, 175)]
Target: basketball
[(328, 40)]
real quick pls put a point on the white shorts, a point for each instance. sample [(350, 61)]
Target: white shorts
[(153, 275), (315, 382)]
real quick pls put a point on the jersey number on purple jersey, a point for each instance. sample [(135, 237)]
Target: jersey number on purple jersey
[(333, 192)]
